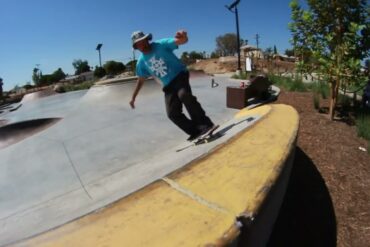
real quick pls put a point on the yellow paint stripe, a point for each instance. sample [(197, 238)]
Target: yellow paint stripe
[(196, 205)]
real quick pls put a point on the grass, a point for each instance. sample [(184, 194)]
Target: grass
[(288, 83), (320, 88), (363, 125), (81, 86), (243, 75)]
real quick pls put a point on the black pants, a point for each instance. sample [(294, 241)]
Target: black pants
[(177, 93)]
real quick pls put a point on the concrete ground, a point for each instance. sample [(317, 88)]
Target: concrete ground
[(99, 151)]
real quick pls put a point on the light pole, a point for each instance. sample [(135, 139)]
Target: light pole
[(234, 6), (133, 64), (98, 49)]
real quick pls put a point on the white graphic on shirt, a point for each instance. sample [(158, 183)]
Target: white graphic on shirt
[(158, 66)]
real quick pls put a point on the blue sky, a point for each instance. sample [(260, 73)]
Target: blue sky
[(53, 33)]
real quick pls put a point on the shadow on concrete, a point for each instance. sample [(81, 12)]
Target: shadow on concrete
[(16, 132), (307, 216)]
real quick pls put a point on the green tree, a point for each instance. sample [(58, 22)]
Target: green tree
[(131, 66), (289, 52), (215, 55), (80, 66), (1, 88), (336, 33), (36, 76), (99, 72), (189, 58), (58, 75), (185, 58), (226, 44), (268, 53), (275, 50), (114, 68)]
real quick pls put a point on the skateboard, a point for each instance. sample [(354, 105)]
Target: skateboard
[(205, 138)]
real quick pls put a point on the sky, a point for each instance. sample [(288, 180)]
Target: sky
[(53, 33)]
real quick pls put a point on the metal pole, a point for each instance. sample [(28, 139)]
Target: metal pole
[(99, 58), (237, 34), (133, 64)]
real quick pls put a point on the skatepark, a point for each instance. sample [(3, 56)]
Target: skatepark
[(85, 164)]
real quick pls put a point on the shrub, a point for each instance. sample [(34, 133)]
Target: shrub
[(99, 72), (243, 75), (316, 101), (287, 83), (76, 87), (363, 125)]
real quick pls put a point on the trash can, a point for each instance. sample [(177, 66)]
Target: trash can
[(236, 97)]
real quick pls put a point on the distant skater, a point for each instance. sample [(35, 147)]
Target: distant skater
[(158, 60)]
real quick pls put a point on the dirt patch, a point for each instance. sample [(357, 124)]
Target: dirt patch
[(328, 196), (215, 66)]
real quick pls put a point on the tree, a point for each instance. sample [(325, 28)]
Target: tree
[(39, 79), (215, 55), (99, 72), (58, 75), (367, 66), (36, 76), (1, 88), (189, 58), (337, 34), (131, 65), (114, 68), (275, 50), (185, 58), (289, 52), (226, 44), (80, 66), (268, 52)]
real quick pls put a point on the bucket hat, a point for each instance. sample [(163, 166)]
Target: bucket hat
[(138, 36)]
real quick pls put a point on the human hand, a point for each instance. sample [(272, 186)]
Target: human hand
[(181, 34)]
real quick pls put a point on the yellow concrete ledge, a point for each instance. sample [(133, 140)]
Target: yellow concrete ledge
[(198, 204)]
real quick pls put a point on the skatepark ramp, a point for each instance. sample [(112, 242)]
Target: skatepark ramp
[(109, 175), (234, 190)]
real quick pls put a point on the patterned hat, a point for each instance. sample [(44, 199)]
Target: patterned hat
[(138, 36)]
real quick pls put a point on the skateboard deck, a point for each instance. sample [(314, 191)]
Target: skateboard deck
[(205, 137)]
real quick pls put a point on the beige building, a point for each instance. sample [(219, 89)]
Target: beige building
[(251, 51)]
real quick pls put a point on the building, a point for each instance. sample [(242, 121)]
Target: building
[(251, 51)]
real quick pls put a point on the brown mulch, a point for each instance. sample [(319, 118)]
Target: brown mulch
[(328, 197)]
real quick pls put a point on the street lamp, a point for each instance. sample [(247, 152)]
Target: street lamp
[(234, 6), (98, 49)]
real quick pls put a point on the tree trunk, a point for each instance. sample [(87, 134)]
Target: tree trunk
[(333, 98)]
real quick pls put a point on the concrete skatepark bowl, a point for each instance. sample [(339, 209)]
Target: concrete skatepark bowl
[(89, 151)]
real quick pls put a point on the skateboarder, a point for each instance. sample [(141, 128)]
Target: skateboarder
[(158, 60)]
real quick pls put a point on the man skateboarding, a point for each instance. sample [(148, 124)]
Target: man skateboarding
[(158, 60)]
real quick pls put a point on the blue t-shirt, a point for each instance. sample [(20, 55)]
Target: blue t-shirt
[(161, 62)]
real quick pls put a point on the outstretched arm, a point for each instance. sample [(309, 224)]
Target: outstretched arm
[(139, 84), (181, 37)]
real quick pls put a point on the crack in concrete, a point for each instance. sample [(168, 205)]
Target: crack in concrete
[(195, 197)]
